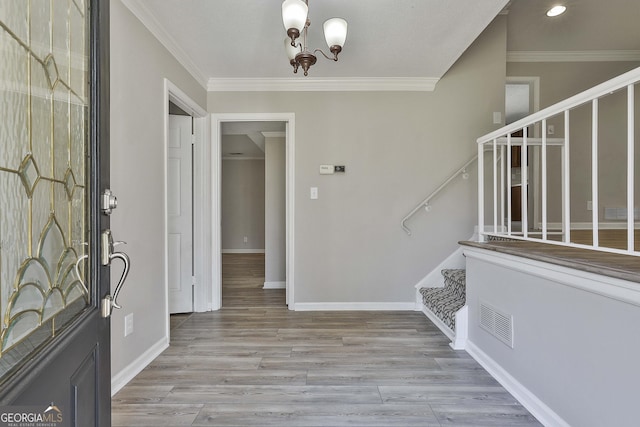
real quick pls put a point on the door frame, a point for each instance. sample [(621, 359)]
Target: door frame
[(216, 199), (201, 145), (534, 172)]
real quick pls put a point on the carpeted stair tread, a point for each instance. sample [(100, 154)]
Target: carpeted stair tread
[(446, 301)]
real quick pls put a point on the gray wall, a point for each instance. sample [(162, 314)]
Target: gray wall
[(575, 350), (275, 210), (559, 81), (139, 63), (397, 147), (243, 204)]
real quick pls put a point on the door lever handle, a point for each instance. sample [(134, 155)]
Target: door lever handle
[(109, 302), (77, 269), (125, 272)]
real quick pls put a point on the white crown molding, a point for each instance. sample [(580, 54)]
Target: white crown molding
[(574, 56), (148, 20), (302, 84)]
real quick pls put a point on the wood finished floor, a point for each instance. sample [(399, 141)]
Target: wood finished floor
[(615, 239), (255, 363)]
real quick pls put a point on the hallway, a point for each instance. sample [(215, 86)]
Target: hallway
[(255, 363)]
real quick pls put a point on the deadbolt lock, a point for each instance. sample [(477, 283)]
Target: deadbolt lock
[(108, 202)]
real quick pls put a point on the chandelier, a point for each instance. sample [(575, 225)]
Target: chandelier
[(296, 22)]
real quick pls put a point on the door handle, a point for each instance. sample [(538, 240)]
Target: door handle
[(125, 272), (77, 268), (110, 302)]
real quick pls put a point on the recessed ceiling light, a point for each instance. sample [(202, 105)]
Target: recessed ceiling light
[(556, 10)]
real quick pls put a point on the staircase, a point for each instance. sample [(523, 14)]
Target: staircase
[(445, 306)]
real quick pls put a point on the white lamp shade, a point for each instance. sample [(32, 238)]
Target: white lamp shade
[(335, 31), (294, 14), (292, 51)]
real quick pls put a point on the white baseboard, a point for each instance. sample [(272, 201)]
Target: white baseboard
[(121, 379), (538, 409), (274, 285), (355, 306), (242, 251), (462, 329)]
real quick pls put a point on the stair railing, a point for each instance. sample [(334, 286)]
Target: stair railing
[(503, 139), (425, 202)]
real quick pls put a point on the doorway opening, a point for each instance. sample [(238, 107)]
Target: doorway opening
[(253, 221), (252, 217)]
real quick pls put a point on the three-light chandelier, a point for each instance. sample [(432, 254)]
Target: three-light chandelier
[(296, 22)]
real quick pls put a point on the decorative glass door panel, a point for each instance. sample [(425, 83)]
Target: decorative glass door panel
[(44, 106)]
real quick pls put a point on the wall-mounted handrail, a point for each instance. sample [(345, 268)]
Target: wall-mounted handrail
[(425, 202)]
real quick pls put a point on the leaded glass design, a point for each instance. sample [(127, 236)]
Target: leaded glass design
[(44, 75)]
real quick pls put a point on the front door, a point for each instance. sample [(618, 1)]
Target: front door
[(54, 164)]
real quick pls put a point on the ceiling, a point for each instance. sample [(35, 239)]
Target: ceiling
[(386, 39), (225, 40), (399, 39), (587, 25)]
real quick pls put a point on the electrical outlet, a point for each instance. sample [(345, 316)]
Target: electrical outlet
[(128, 324), (246, 239), (551, 129), (589, 205)]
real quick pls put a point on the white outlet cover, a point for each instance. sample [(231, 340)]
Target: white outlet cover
[(128, 324)]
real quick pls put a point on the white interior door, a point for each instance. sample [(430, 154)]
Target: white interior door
[(179, 211)]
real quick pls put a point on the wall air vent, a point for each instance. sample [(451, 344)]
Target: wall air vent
[(497, 323)]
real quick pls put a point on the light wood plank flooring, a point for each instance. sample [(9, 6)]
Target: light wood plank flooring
[(255, 363)]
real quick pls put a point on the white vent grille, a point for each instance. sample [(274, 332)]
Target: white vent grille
[(495, 322), (620, 213)]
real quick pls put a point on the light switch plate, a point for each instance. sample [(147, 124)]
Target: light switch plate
[(313, 193)]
